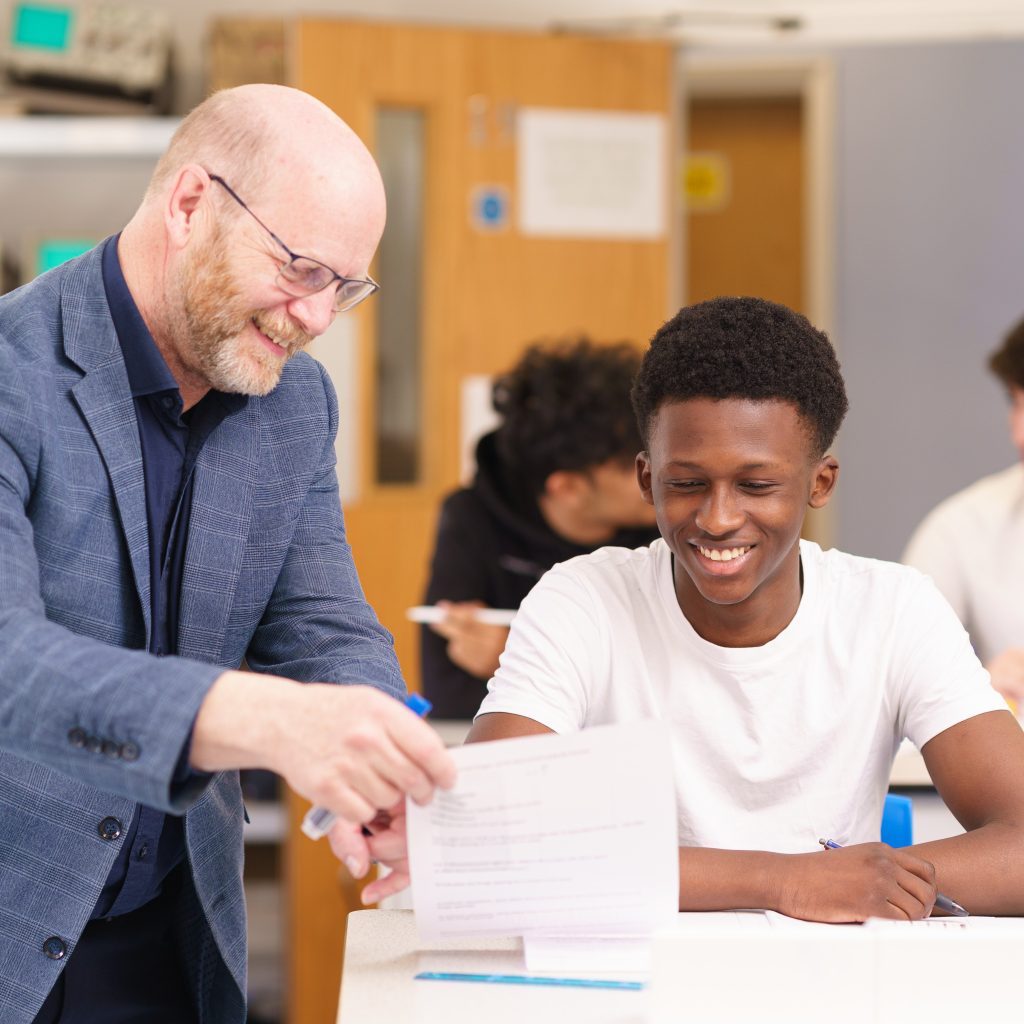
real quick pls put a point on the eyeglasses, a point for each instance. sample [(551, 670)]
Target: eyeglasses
[(302, 275)]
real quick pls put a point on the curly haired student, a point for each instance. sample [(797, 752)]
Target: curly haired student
[(555, 480)]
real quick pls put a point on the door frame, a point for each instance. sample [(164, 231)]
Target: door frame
[(810, 79)]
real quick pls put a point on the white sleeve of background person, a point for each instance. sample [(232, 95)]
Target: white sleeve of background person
[(937, 678)]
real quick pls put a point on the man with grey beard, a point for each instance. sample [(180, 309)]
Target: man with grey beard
[(168, 509)]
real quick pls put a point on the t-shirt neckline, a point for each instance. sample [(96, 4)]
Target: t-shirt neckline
[(780, 646)]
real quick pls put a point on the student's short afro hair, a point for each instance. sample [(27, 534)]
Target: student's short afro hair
[(565, 406), (743, 348), (1007, 362)]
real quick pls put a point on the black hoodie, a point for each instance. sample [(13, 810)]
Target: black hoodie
[(492, 546)]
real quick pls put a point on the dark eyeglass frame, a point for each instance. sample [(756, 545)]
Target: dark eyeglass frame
[(351, 291)]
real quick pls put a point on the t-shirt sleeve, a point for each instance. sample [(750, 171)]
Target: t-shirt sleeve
[(939, 680), (553, 656)]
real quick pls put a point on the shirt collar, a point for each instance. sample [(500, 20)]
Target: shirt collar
[(148, 372)]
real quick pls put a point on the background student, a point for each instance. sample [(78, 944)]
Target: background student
[(972, 544), (555, 480), (788, 675)]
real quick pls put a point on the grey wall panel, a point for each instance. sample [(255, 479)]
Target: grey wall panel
[(930, 274)]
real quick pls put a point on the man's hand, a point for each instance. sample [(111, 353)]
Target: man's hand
[(472, 645), (350, 749), (386, 845), (855, 883), (1007, 671)]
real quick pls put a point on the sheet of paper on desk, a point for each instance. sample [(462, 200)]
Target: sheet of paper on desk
[(550, 835), (630, 954)]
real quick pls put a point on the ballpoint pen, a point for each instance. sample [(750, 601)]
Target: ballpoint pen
[(942, 902), (318, 820)]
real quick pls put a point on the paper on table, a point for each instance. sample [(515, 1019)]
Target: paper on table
[(550, 835), (958, 924), (621, 955), (628, 954), (426, 614)]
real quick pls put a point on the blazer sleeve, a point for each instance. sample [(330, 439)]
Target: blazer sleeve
[(318, 626), (114, 718)]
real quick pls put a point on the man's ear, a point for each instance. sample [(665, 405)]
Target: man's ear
[(191, 184), (826, 474), (643, 476)]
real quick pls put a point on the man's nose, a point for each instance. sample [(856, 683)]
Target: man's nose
[(314, 312)]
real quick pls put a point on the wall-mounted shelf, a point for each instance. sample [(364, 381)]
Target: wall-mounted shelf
[(104, 137)]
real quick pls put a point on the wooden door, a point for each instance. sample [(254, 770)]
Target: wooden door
[(486, 293), (751, 240)]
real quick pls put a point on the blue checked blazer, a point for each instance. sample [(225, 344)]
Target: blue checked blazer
[(91, 724)]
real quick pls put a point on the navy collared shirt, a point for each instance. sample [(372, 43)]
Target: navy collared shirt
[(171, 440)]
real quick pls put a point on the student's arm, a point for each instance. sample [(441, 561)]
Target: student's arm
[(503, 726), (473, 646), (838, 885), (852, 884), (978, 769), (454, 663)]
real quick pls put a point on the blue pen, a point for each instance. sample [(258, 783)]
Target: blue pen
[(318, 820), (942, 902), (528, 979)]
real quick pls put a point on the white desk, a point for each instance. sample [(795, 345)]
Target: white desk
[(383, 953)]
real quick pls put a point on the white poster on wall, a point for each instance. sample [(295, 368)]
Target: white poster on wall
[(592, 174), (337, 349), (476, 418)]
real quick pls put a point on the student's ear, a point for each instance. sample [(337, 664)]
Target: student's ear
[(190, 186), (564, 486), (643, 476), (826, 473)]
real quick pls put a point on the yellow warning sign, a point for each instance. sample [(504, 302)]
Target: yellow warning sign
[(705, 182)]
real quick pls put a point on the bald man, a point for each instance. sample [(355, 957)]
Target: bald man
[(168, 509)]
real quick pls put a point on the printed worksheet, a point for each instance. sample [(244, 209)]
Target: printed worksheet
[(549, 835)]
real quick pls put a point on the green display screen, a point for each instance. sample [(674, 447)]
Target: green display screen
[(55, 251), (41, 26)]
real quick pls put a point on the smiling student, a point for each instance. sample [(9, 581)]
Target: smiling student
[(789, 675)]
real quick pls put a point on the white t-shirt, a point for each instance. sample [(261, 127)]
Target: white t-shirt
[(773, 746), (972, 545)]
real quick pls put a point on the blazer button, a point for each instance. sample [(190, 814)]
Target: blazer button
[(77, 737), (110, 828), (110, 748), (54, 947), (93, 744), (130, 751)]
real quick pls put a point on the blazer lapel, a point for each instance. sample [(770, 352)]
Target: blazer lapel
[(222, 504), (104, 399)]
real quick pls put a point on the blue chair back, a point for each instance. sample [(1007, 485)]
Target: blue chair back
[(897, 821)]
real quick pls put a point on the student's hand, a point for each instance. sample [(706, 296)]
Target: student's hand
[(472, 645), (387, 846), (855, 883), (1007, 671), (351, 749)]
